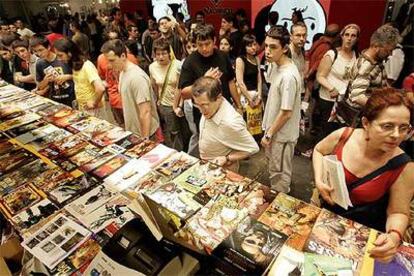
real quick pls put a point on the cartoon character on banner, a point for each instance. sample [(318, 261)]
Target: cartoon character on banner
[(311, 11)]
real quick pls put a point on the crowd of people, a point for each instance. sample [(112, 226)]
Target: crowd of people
[(215, 97)]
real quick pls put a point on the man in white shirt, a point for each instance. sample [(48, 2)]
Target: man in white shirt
[(394, 64), (298, 35), (282, 112), (224, 138)]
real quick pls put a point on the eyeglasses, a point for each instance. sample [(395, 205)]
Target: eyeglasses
[(389, 128)]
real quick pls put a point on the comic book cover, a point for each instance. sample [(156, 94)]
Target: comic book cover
[(78, 260), (6, 146), (199, 175), (251, 247), (174, 199), (65, 164), (9, 112), (212, 224), (113, 211), (30, 102), (45, 178), (128, 175), (175, 165), (42, 142), (22, 175), (53, 109), (401, 265), (69, 191), (84, 124), (25, 128), (110, 136), (56, 240), (157, 155), (19, 121), (74, 117), (141, 148), (257, 200), (105, 155), (94, 128), (36, 133), (230, 184), (147, 184), (110, 166), (335, 236), (61, 113), (326, 265), (129, 141), (66, 147), (90, 201), (19, 199), (292, 217), (43, 106), (89, 153), (33, 215), (15, 98), (14, 159), (289, 262)]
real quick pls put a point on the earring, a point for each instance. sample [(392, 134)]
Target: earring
[(367, 138)]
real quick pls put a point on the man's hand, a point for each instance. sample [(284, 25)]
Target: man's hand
[(49, 78), (178, 112), (221, 160), (61, 79), (266, 141), (214, 73), (90, 105)]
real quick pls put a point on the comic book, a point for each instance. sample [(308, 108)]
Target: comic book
[(14, 159), (257, 200), (89, 153), (109, 137), (105, 155), (213, 223), (74, 117), (22, 175), (175, 165), (110, 166), (231, 185), (36, 133), (61, 113), (90, 201), (289, 262), (88, 125), (30, 102), (326, 265), (129, 141), (292, 217), (33, 215), (157, 155), (128, 175), (199, 175), (65, 164), (113, 211), (335, 236), (401, 265), (43, 106), (9, 112), (44, 179), (43, 142), (141, 148), (19, 121), (147, 183), (69, 191), (53, 109), (6, 146), (251, 247), (19, 199), (56, 240), (66, 147), (174, 199), (25, 128)]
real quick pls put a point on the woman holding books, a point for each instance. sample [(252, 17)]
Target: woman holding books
[(378, 174)]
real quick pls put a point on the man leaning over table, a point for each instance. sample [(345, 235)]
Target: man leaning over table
[(224, 138)]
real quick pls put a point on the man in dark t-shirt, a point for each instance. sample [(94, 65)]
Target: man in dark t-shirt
[(208, 61), (54, 77)]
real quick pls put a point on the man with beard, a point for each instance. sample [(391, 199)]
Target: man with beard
[(368, 71), (298, 35)]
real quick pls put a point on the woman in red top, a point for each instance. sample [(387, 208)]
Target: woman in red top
[(382, 199)]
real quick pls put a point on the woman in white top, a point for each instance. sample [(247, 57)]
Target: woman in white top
[(333, 74)]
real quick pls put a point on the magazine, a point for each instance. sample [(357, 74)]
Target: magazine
[(198, 176), (6, 146), (110, 166), (89, 153), (41, 143), (65, 164), (129, 141), (20, 198), (212, 224), (128, 175), (335, 236), (326, 265), (157, 155), (257, 200), (292, 217), (14, 159), (90, 201), (109, 137), (290, 262), (61, 113), (56, 240), (113, 211), (19, 121), (33, 215), (94, 128), (175, 165), (52, 175), (74, 117), (104, 155), (251, 247), (140, 149), (84, 124), (25, 128), (36, 133), (147, 184), (49, 111)]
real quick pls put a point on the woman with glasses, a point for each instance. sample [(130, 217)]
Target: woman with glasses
[(378, 174)]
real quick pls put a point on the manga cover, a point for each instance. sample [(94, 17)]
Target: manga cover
[(89, 153), (231, 185), (113, 211), (56, 240), (22, 175), (90, 201), (157, 155), (292, 217), (129, 141), (19, 121), (104, 155), (19, 199), (251, 247), (25, 128), (175, 165), (36, 133), (174, 199), (109, 137), (212, 224), (326, 265), (128, 175), (141, 148), (110, 166), (198, 176), (33, 215), (14, 159), (335, 236)]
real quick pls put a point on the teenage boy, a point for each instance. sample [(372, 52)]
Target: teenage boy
[(282, 112), (27, 66)]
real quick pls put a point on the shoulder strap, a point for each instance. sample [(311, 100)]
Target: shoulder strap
[(392, 164), (335, 54), (344, 137), (164, 85)]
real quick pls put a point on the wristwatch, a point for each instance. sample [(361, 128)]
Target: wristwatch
[(267, 136)]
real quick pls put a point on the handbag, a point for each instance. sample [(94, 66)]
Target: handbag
[(348, 113)]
